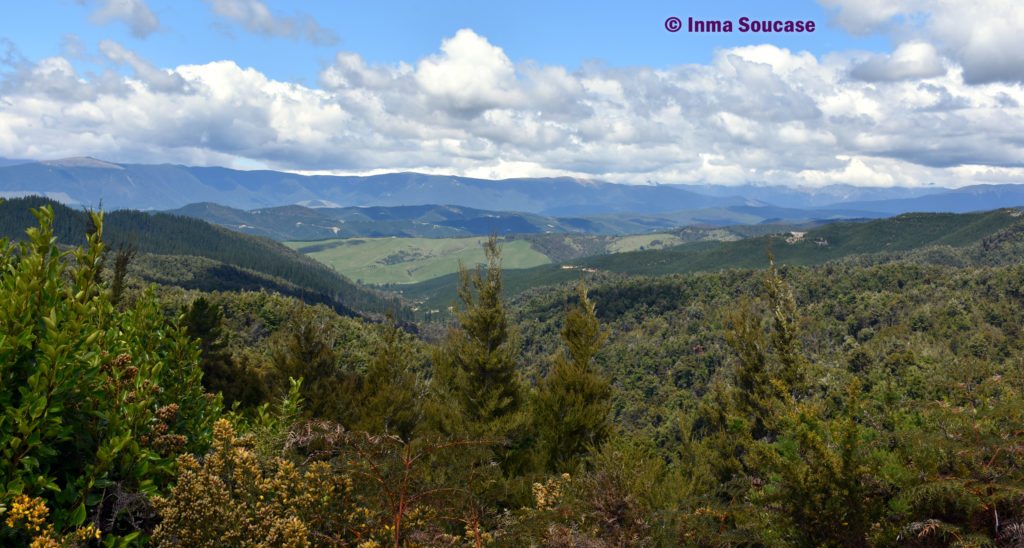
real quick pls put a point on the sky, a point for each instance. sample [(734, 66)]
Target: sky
[(882, 93)]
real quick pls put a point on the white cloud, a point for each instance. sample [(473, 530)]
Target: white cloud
[(134, 13), (256, 17), (982, 36), (910, 61), (867, 16), (10, 56), (761, 114), (155, 79), (470, 74)]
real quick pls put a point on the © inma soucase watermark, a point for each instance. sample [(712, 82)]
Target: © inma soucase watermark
[(743, 24)]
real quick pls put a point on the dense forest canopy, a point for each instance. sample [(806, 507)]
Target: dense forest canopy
[(876, 399)]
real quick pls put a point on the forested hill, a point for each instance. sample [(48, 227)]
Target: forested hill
[(833, 241), (197, 255), (299, 223), (829, 242), (296, 222)]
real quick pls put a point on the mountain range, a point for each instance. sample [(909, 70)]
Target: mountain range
[(552, 204), (89, 181), (296, 222), (92, 182)]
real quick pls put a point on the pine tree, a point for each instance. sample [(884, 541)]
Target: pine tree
[(204, 322), (308, 354), (124, 256), (221, 372), (392, 388), (753, 386), (789, 367), (771, 371), (573, 403), (476, 367)]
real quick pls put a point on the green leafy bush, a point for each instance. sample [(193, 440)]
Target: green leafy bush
[(95, 404)]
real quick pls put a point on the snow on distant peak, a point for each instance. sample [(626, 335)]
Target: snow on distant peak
[(317, 204), (81, 161)]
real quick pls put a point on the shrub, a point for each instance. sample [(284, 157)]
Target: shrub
[(95, 404)]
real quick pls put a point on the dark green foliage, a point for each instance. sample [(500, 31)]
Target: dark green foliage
[(824, 480), (572, 407), (204, 322), (754, 391), (770, 371), (873, 401), (222, 374), (307, 352), (392, 392), (967, 448), (790, 365), (124, 256), (822, 431), (619, 502), (477, 364)]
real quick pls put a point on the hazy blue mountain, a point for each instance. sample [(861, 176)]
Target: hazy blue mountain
[(961, 200), (814, 197), (443, 221), (12, 162), (88, 181)]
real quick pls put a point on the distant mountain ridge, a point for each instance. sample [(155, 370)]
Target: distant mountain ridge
[(295, 222), (91, 181), (962, 200), (816, 197), (12, 161)]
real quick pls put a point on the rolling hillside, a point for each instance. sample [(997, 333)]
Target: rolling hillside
[(299, 223), (830, 242), (411, 260), (396, 260), (206, 256)]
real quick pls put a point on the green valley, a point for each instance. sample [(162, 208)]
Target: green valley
[(402, 261), (912, 231), (411, 260)]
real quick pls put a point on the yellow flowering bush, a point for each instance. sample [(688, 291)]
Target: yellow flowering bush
[(231, 498), (29, 516), (548, 495)]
